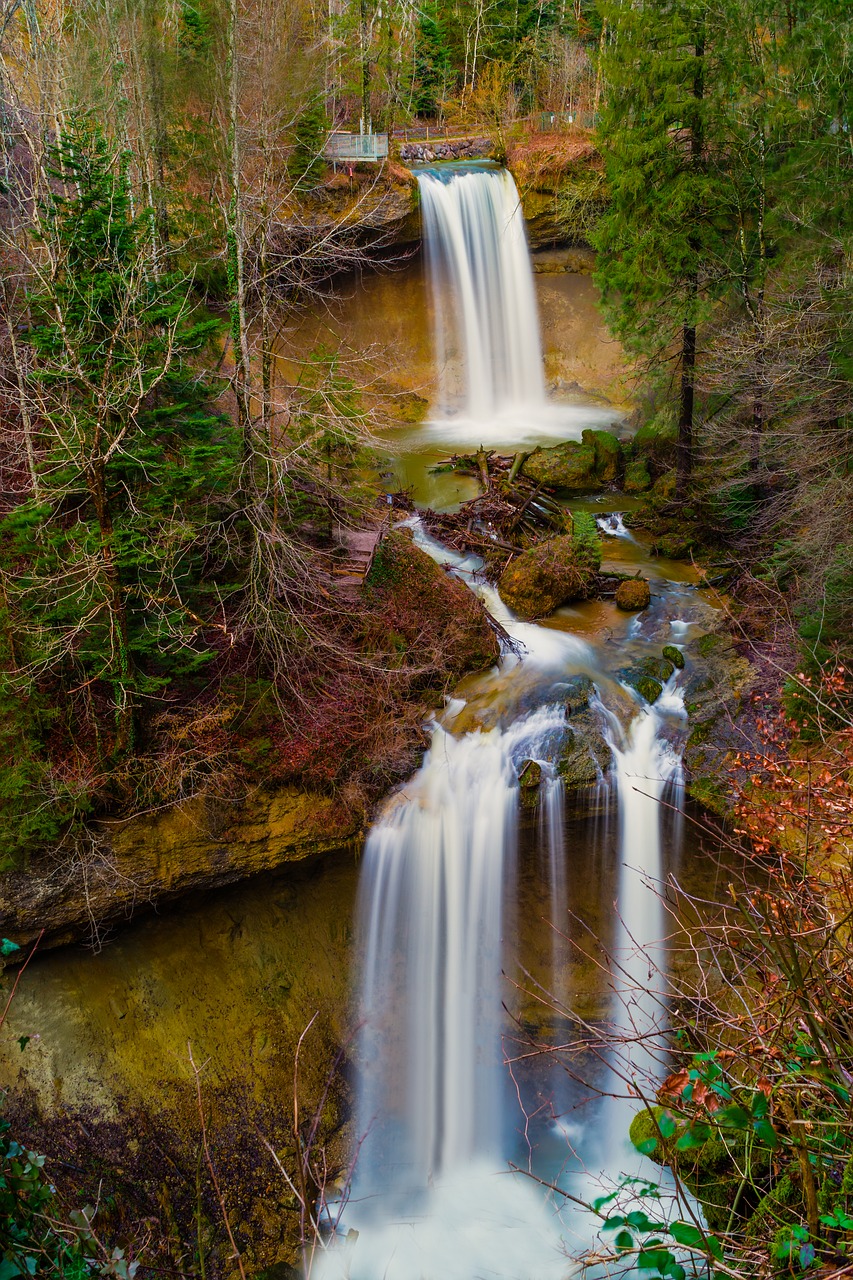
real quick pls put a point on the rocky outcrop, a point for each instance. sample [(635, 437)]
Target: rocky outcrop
[(633, 594), (582, 466), (539, 580), (127, 867)]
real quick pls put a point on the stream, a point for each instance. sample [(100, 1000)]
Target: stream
[(508, 957)]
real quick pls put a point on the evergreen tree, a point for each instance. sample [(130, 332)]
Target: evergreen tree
[(103, 569), (659, 239)]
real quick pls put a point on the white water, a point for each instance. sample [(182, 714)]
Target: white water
[(647, 767), (476, 244), (486, 319), (431, 1196)]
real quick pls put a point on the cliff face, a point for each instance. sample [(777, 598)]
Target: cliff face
[(143, 862)]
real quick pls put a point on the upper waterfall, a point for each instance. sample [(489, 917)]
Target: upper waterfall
[(482, 289)]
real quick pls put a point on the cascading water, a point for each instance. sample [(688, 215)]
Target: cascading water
[(485, 318), (477, 245), (646, 765), (431, 1195)]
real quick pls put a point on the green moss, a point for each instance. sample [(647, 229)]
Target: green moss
[(648, 688), (673, 655), (706, 645), (550, 574), (709, 793), (658, 437), (658, 668), (568, 466), (774, 1212), (608, 454), (637, 476)]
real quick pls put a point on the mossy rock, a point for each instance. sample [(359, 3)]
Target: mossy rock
[(658, 668), (608, 454), (637, 476), (674, 655), (633, 595), (673, 546), (579, 690), (657, 438), (567, 466), (664, 486), (531, 774), (645, 1129), (647, 687), (711, 795), (539, 580)]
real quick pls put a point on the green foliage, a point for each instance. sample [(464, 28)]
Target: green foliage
[(35, 1239), (306, 163), (104, 565)]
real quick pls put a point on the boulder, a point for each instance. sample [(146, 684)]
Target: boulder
[(657, 438), (539, 580), (637, 477), (608, 454), (633, 594), (664, 486), (673, 655), (567, 466)]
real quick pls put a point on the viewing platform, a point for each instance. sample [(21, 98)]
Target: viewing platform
[(347, 148)]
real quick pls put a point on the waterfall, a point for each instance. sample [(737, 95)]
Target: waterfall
[(477, 249), (646, 766), (431, 1196)]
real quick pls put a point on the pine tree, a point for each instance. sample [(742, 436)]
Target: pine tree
[(103, 571), (659, 240)]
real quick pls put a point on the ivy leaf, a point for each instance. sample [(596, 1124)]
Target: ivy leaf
[(7, 948), (807, 1255), (23, 1041), (696, 1135), (766, 1133), (624, 1240)]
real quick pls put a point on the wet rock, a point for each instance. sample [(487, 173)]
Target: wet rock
[(539, 580), (531, 775), (658, 668), (673, 546), (608, 454), (134, 865), (567, 466), (529, 781), (647, 687), (633, 595), (673, 655), (637, 477), (579, 690), (585, 755)]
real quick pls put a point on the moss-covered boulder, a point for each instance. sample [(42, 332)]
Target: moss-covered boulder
[(539, 580), (637, 476), (436, 621), (664, 487), (608, 454), (658, 668), (657, 438), (673, 546), (674, 655), (567, 466), (633, 595)]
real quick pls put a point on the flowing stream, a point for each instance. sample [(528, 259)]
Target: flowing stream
[(451, 1120)]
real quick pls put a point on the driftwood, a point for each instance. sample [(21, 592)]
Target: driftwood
[(511, 514)]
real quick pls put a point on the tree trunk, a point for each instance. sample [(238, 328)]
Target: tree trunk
[(684, 458), (120, 661)]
